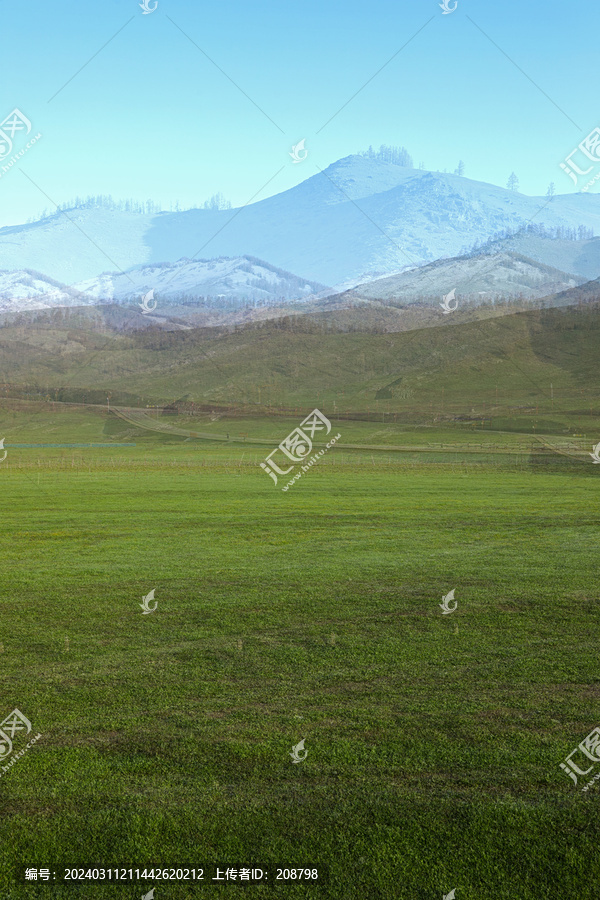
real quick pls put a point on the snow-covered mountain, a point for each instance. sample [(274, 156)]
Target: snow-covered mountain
[(357, 219), (27, 289), (581, 257), (219, 282), (476, 278), (238, 281)]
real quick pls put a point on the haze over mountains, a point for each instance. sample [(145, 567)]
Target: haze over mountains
[(359, 219), (485, 276), (222, 283)]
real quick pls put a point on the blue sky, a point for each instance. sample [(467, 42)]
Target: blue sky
[(150, 116)]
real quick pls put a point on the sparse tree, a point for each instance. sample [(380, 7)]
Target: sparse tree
[(399, 156), (513, 182), (551, 191), (460, 170), (217, 201)]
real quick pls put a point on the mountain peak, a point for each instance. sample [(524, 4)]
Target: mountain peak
[(360, 215), (358, 176)]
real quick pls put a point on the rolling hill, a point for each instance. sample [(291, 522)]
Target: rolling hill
[(581, 257), (509, 365), (475, 278)]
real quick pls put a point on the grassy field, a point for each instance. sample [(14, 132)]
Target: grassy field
[(433, 741)]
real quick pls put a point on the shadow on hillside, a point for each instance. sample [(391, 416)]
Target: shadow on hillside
[(568, 338)]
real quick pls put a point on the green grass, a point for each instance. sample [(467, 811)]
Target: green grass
[(433, 741)]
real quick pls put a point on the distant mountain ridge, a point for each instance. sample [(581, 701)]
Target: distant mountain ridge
[(581, 257), (236, 281), (225, 283), (359, 218), (479, 278)]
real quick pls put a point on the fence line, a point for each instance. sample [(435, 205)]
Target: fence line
[(348, 462)]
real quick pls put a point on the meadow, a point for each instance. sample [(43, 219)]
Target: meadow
[(433, 741)]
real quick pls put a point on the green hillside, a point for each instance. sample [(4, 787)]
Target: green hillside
[(515, 367)]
